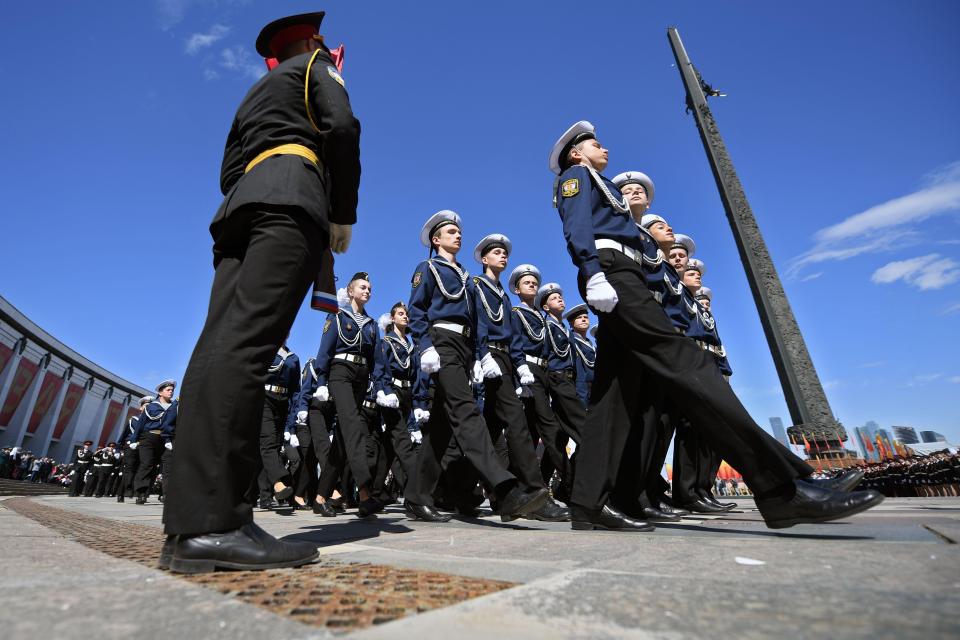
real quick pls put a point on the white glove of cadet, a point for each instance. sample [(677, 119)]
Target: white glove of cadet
[(416, 436), (490, 367), (301, 417), (134, 445), (294, 440), (168, 446), (526, 376), (600, 294), (390, 401), (340, 235), (477, 376), (322, 394), (286, 436), (430, 361), (421, 415), (524, 391)]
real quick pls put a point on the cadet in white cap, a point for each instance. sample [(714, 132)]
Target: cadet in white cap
[(637, 188), (681, 250), (704, 296), (501, 353), (128, 443), (444, 326), (638, 340), (584, 353), (150, 444)]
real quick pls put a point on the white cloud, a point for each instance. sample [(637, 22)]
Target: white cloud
[(954, 379), (170, 12), (239, 59), (198, 41), (929, 272), (812, 276), (926, 378), (887, 224), (210, 74), (872, 365), (951, 309)]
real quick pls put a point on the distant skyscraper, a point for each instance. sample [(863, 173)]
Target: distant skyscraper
[(932, 436), (779, 432), (906, 435)]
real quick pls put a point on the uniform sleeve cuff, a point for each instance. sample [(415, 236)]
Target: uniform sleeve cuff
[(590, 268)]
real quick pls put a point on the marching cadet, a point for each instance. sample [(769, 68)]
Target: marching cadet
[(344, 364), (584, 353), (635, 337), (81, 465), (151, 444), (282, 385), (502, 356), (395, 376), (530, 327), (131, 459), (103, 467), (290, 177), (443, 323)]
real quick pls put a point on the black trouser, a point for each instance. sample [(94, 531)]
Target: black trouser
[(80, 470), (151, 452), (377, 460), (329, 453), (272, 423), (543, 424), (131, 461), (315, 449), (264, 260), (103, 475), (637, 339), (503, 413), (347, 383), (397, 444), (454, 417)]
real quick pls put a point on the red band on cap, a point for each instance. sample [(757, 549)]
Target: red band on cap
[(293, 33)]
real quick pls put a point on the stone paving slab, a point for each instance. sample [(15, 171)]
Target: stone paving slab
[(891, 572)]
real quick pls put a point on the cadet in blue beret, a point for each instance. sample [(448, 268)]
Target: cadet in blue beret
[(636, 338), (444, 325)]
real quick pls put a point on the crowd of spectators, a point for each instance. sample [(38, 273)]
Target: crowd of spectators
[(21, 464)]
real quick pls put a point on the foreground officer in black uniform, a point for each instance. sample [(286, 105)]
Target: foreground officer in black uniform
[(290, 174), (635, 338)]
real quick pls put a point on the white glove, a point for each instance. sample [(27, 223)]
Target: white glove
[(524, 391), (294, 440), (286, 436), (340, 235), (526, 376), (134, 445), (490, 367), (391, 401), (600, 294), (430, 361), (421, 415), (168, 446), (416, 436), (322, 394), (301, 417), (477, 374)]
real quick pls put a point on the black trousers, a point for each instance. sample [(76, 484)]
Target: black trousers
[(503, 413), (152, 454), (264, 261), (131, 461), (637, 339), (316, 450), (543, 425), (396, 442), (76, 487), (272, 423), (454, 418), (348, 385), (103, 475)]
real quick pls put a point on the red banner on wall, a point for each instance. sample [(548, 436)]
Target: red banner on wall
[(25, 374), (5, 354), (113, 412), (49, 388), (70, 403)]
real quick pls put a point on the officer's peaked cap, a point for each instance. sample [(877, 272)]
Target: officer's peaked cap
[(576, 134), (278, 34)]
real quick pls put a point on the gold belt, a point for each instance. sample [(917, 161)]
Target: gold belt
[(285, 149)]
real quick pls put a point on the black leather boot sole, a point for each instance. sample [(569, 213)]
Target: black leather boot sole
[(166, 553)]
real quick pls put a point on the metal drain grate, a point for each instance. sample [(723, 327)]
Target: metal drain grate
[(340, 596)]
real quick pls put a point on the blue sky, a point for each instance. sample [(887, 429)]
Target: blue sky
[(841, 119)]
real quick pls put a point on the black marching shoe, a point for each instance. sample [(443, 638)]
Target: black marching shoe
[(336, 504), (424, 512), (551, 511), (141, 499), (120, 498), (166, 552), (248, 548), (518, 503), (283, 494), (702, 506), (324, 509), (723, 505), (369, 507), (652, 514), (846, 481), (268, 503), (669, 508), (607, 518), (812, 504)]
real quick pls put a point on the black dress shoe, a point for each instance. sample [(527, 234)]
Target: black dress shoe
[(551, 511), (141, 499), (846, 481), (268, 503), (284, 493), (424, 512), (652, 514), (517, 503), (702, 506), (324, 509), (669, 508), (166, 552), (606, 518), (336, 504), (811, 504), (726, 506), (247, 548), (120, 498), (369, 507)]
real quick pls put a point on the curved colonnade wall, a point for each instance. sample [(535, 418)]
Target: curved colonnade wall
[(51, 397)]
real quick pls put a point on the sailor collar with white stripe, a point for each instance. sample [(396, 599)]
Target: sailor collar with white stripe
[(557, 323), (284, 354), (582, 340), (496, 289), (360, 317)]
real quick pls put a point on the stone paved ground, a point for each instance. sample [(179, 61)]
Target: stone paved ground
[(893, 572)]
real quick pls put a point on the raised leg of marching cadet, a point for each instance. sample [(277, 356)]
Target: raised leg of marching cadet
[(265, 260), (543, 423)]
